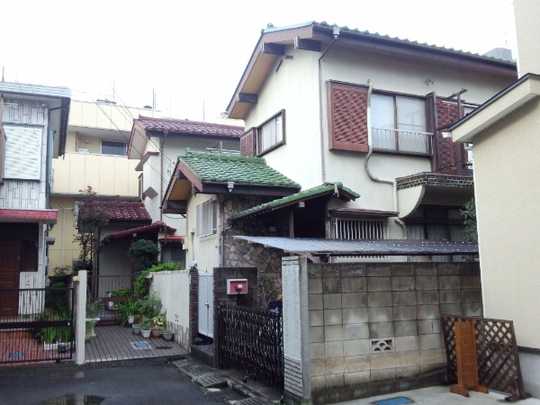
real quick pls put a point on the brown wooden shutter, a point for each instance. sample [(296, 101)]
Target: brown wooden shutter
[(2, 141), (348, 117), (450, 156), (247, 143)]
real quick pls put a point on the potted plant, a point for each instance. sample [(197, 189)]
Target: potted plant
[(146, 328), (167, 335), (159, 322)]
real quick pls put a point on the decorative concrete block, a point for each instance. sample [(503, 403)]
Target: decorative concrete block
[(315, 301), (333, 333), (426, 283), (354, 300), (332, 317), (380, 314), (356, 331), (405, 343), (315, 286), (331, 285), (381, 330), (379, 284), (405, 328), (357, 363), (318, 351), (355, 316), (427, 297), (403, 283), (356, 347), (429, 326), (317, 334), (353, 284), (316, 318), (332, 301), (428, 312), (404, 298), (379, 299), (404, 313), (334, 349), (449, 282), (428, 342)]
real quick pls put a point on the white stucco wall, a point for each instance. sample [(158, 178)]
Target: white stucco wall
[(507, 197), (205, 250), (527, 14)]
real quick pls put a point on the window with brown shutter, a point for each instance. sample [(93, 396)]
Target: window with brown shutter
[(347, 117), (247, 143), (2, 141)]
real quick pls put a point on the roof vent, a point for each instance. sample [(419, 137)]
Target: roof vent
[(500, 53)]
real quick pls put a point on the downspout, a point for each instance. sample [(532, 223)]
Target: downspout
[(371, 176), (335, 34)]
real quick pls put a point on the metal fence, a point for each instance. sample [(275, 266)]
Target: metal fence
[(497, 354), (36, 324), (251, 340)]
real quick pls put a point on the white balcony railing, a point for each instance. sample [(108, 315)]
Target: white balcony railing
[(401, 141)]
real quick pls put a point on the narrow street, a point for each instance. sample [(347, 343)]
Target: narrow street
[(135, 384)]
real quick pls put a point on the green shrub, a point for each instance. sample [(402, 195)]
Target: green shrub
[(156, 268), (144, 253)]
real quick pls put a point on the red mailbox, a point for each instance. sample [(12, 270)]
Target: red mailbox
[(237, 286)]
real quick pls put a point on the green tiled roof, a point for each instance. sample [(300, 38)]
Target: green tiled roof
[(319, 191), (223, 168)]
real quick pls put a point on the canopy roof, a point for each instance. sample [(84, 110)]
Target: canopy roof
[(326, 189), (389, 247)]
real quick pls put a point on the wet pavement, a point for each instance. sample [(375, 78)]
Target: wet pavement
[(137, 383)]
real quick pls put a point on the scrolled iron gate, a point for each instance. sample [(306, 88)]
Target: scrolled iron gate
[(36, 324), (252, 340)]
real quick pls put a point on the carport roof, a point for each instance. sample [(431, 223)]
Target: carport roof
[(389, 247)]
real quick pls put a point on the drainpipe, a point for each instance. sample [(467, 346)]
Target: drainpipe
[(335, 34), (371, 176)]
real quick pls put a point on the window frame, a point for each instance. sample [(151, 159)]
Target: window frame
[(203, 233), (114, 142), (38, 158), (258, 134), (397, 150)]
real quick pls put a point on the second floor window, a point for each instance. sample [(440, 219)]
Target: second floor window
[(399, 124), (271, 133), (113, 148), (207, 218)]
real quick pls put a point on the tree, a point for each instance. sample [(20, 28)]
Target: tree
[(144, 253), (469, 220)]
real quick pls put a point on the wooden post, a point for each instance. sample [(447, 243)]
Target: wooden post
[(466, 359)]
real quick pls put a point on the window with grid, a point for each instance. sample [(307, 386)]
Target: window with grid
[(270, 134), (207, 218), (359, 229), (398, 124)]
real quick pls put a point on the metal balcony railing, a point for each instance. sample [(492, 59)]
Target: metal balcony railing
[(401, 141)]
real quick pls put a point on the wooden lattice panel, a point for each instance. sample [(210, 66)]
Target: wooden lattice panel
[(497, 354)]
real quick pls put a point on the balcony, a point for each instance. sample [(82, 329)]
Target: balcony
[(108, 175), (401, 141)]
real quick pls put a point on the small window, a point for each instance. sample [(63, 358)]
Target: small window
[(113, 148), (271, 134), (207, 218), (23, 152)]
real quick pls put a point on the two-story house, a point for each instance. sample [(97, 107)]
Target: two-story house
[(328, 104), (155, 144), (33, 126)]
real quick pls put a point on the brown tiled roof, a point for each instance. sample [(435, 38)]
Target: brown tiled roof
[(154, 228), (120, 210), (190, 127)]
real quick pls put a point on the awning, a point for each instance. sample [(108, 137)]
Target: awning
[(43, 216), (154, 228), (389, 247)]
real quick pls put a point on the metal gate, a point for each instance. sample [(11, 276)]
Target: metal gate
[(252, 340), (206, 304), (36, 324)]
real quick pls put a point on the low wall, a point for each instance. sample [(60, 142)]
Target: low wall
[(375, 328), (173, 289)]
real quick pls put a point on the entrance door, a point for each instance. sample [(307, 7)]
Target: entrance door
[(206, 304), (9, 277)]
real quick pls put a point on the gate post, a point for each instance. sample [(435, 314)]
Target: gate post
[(80, 320), (296, 334)]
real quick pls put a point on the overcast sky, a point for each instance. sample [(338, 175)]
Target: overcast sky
[(191, 51)]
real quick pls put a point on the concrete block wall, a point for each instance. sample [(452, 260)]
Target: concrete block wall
[(375, 328)]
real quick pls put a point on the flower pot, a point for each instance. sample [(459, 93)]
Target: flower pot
[(136, 329), (131, 319), (146, 333), (110, 305), (156, 332), (166, 335)]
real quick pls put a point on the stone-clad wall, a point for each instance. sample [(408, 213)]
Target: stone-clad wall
[(356, 309)]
